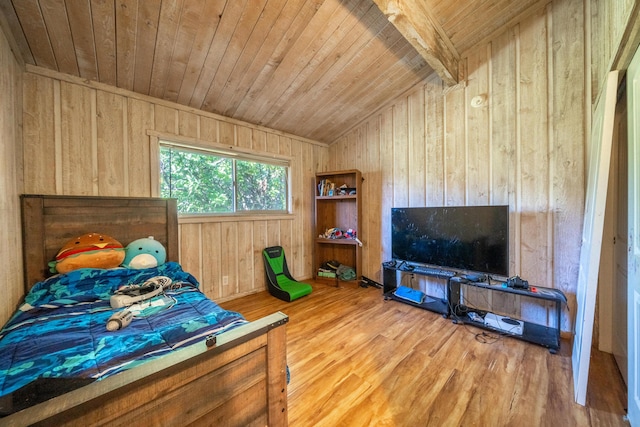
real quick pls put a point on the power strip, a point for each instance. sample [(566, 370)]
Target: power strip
[(366, 282)]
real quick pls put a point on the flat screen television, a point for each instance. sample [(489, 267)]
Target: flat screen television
[(466, 238)]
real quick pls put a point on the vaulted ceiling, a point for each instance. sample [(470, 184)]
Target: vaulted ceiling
[(313, 68)]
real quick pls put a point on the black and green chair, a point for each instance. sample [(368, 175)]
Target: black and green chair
[(280, 282)]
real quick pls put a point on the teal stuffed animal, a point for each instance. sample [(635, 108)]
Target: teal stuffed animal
[(144, 253)]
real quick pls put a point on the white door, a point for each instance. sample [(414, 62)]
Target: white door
[(633, 270), (612, 282), (595, 202), (620, 244)]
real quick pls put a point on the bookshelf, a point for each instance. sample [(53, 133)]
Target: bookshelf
[(338, 205)]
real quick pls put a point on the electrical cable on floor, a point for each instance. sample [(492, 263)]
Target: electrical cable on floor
[(484, 337)]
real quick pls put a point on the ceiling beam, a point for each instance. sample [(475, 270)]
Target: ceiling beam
[(425, 34)]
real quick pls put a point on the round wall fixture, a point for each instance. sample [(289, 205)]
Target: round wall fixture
[(479, 101)]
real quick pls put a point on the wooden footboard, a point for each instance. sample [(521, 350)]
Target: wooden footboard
[(240, 381)]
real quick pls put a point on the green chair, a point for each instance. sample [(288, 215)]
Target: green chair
[(281, 284)]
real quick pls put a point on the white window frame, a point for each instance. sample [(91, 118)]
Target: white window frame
[(158, 139)]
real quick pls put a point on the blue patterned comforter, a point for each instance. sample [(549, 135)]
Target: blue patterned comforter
[(60, 330)]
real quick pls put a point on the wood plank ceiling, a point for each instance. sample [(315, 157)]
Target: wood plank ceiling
[(313, 68)]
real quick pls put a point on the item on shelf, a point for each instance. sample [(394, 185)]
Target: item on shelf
[(331, 265), (326, 273), (475, 317), (516, 282), (409, 294), (345, 190), (333, 233), (336, 269), (390, 284), (336, 233), (475, 277), (344, 272), (504, 323), (326, 188), (352, 234)]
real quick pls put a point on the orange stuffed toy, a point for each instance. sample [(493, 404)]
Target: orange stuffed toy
[(92, 250)]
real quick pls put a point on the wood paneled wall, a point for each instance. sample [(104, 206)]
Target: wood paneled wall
[(608, 23), (10, 179), (83, 138), (513, 134)]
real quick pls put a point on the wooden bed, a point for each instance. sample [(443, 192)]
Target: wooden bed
[(238, 380)]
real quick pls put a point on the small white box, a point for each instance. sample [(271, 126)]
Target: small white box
[(504, 323)]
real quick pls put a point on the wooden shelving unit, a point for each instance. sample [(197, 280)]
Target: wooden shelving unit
[(342, 211)]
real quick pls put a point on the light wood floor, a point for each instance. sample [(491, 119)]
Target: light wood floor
[(358, 360)]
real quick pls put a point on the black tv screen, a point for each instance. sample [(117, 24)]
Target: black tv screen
[(467, 238)]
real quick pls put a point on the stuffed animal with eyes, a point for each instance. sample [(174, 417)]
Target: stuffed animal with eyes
[(144, 253), (91, 250)]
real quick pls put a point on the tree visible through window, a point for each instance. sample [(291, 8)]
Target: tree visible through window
[(207, 182)]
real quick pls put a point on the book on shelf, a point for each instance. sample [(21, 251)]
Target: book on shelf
[(326, 188)]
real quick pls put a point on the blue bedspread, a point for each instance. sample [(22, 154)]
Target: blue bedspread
[(60, 330)]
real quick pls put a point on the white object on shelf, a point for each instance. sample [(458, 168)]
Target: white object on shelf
[(504, 323)]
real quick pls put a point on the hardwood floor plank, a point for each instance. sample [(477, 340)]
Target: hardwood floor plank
[(358, 360)]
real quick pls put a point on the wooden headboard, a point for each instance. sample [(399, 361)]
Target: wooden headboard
[(48, 222)]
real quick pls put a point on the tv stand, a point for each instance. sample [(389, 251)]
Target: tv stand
[(390, 283), (546, 336), (452, 306)]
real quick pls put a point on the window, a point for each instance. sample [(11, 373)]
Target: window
[(222, 182)]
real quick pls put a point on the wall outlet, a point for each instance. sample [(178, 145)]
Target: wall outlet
[(225, 280)]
